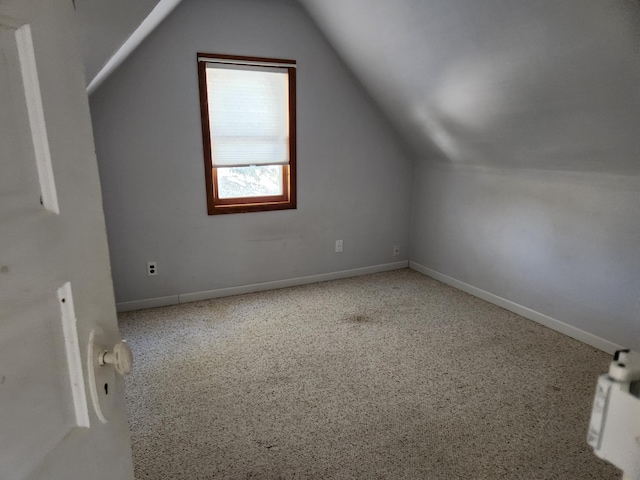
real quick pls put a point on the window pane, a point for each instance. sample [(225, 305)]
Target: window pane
[(248, 116), (255, 181), (229, 151)]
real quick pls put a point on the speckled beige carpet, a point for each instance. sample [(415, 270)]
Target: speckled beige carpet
[(386, 376)]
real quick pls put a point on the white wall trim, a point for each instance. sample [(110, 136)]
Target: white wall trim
[(148, 25), (547, 321), (256, 287), (148, 303)]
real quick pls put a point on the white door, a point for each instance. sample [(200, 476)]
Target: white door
[(62, 415)]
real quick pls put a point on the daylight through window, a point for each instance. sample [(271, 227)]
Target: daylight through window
[(248, 129)]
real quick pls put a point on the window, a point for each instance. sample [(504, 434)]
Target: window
[(249, 132)]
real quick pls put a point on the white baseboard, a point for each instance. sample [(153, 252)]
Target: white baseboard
[(256, 287), (148, 303), (547, 321)]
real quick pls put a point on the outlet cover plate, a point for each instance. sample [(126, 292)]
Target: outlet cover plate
[(152, 269)]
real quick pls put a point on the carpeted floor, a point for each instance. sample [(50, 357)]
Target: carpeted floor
[(386, 376)]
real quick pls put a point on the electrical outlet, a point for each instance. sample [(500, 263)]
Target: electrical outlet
[(396, 250), (338, 246), (152, 269)]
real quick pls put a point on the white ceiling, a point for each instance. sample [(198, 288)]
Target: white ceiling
[(105, 25), (543, 84)]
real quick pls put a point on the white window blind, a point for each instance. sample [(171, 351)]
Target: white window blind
[(248, 115)]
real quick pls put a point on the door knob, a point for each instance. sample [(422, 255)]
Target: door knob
[(121, 358)]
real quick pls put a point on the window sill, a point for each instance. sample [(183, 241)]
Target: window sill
[(250, 207)]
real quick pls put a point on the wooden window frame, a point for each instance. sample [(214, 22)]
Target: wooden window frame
[(217, 205)]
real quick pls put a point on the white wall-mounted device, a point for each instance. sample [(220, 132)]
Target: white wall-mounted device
[(614, 430)]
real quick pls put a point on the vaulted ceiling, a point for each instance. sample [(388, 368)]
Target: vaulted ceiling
[(541, 84), (105, 26)]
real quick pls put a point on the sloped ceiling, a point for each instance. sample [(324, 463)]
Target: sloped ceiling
[(541, 84), (105, 26)]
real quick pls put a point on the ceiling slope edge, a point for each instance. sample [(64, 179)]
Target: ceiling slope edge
[(148, 25)]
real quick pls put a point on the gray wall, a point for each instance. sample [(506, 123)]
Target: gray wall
[(565, 244), (524, 117), (354, 179)]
